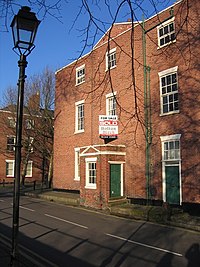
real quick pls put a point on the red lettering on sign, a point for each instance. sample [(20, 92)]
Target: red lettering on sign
[(108, 123)]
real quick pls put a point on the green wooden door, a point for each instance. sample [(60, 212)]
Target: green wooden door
[(172, 184), (115, 180)]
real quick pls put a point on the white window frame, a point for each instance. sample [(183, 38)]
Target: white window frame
[(161, 75), (8, 161), (111, 96), (12, 122), (77, 164), (80, 79), (77, 104), (164, 24), (29, 124), (31, 169), (12, 145), (170, 138), (89, 185), (108, 54)]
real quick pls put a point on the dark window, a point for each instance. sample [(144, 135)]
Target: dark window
[(10, 143)]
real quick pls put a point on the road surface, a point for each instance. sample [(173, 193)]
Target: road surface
[(58, 235)]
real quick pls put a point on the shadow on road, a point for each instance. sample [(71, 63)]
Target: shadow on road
[(28, 257), (193, 256)]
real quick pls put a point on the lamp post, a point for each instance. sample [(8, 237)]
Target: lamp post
[(24, 28)]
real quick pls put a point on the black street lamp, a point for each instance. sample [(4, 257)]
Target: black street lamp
[(24, 28)]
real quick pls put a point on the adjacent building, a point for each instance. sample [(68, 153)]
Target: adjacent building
[(35, 162), (140, 83)]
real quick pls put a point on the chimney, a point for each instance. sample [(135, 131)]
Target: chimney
[(34, 102)]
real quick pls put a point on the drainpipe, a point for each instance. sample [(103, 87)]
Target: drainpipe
[(147, 105), (149, 136), (147, 114)]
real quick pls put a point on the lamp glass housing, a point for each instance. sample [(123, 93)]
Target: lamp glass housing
[(24, 29)]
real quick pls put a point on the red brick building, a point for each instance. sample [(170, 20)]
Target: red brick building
[(146, 73), (34, 165)]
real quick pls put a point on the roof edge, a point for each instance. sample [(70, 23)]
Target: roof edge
[(117, 23)]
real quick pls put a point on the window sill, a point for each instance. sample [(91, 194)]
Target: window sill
[(77, 179), (91, 186), (110, 68), (169, 113), (80, 131), (160, 47), (77, 84)]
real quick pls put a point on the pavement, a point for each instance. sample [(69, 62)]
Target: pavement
[(173, 217)]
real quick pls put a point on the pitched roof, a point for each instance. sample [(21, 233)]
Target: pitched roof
[(13, 109)]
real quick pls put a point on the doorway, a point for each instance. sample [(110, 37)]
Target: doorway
[(115, 180), (172, 184)]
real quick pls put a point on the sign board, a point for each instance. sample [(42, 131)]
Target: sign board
[(108, 126)]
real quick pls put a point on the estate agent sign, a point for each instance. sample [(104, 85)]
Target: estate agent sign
[(108, 126)]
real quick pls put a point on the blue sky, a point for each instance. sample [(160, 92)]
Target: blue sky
[(58, 43)]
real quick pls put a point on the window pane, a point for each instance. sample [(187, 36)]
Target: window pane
[(166, 29), (171, 145), (177, 154), (169, 88), (162, 42), (164, 90), (170, 98), (176, 97), (174, 87), (171, 107), (173, 37), (161, 32), (168, 78), (165, 99), (171, 154), (176, 106), (171, 27), (166, 146), (174, 78), (163, 82), (165, 108), (167, 39), (177, 144)]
